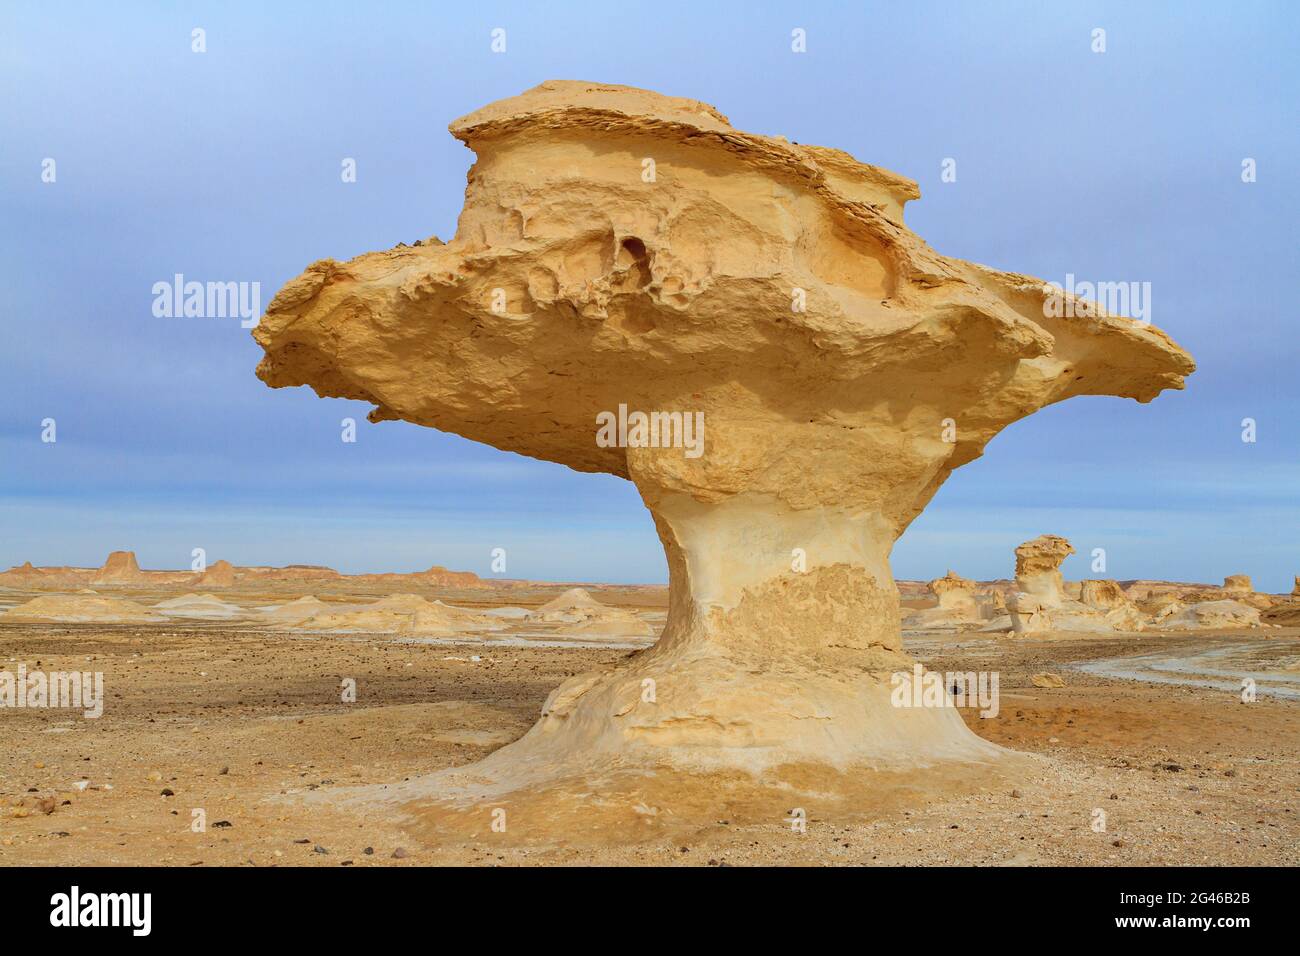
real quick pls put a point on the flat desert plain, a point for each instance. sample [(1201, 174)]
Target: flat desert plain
[(1145, 755)]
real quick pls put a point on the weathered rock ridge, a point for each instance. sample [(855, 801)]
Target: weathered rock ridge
[(122, 570), (622, 252)]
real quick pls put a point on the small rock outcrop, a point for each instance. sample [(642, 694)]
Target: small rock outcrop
[(957, 604), (1238, 584), (1210, 615), (1108, 598), (1029, 614)]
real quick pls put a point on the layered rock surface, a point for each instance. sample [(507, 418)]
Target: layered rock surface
[(815, 370)]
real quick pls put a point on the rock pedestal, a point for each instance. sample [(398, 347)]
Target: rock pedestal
[(746, 329)]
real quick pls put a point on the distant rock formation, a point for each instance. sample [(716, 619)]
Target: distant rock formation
[(578, 614), (440, 577), (1108, 598), (1028, 614), (1045, 603), (219, 574), (207, 607), (957, 605), (294, 612), (120, 568), (955, 593), (1038, 569), (398, 614), (81, 608), (1238, 584), (570, 600), (1209, 615), (992, 604), (1103, 594)]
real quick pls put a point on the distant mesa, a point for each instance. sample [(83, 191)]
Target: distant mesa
[(1238, 583), (121, 569)]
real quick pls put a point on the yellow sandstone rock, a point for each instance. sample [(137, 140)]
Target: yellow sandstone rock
[(793, 374)]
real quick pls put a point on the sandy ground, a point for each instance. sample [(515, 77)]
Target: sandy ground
[(249, 728)]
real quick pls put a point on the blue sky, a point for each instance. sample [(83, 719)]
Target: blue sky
[(1122, 166)]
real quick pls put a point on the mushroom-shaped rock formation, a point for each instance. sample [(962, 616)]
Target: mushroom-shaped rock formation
[(1038, 568), (744, 328), (1047, 603)]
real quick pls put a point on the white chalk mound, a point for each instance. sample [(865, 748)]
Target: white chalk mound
[(399, 614), (202, 606), (1210, 615), (82, 608), (575, 613)]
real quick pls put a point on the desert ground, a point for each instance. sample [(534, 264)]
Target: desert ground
[(247, 724)]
